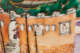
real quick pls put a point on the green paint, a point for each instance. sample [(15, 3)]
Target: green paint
[(78, 11), (19, 10), (70, 4), (17, 0), (48, 8)]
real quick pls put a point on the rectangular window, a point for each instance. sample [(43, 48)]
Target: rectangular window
[(38, 28), (47, 28), (53, 27), (65, 27), (22, 27), (30, 28)]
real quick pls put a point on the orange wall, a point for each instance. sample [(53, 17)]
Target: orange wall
[(49, 41)]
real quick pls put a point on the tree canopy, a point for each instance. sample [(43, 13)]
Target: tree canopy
[(48, 9)]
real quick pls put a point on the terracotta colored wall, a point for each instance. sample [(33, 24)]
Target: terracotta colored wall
[(22, 35), (49, 42), (6, 20), (52, 42), (4, 29)]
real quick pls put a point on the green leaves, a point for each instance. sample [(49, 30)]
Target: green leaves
[(70, 4), (17, 0), (78, 11), (64, 1), (48, 8), (7, 6), (19, 10), (34, 12)]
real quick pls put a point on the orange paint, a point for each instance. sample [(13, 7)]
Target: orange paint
[(49, 42), (22, 35), (6, 20), (52, 41)]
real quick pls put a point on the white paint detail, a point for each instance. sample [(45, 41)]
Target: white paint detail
[(65, 28), (12, 31), (41, 29), (38, 29), (53, 27), (30, 28), (56, 13), (12, 15), (2, 24), (47, 28), (22, 27), (72, 10), (40, 15), (1, 10)]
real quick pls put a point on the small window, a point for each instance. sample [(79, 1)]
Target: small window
[(38, 29), (41, 29), (22, 26), (47, 28), (30, 28), (53, 27), (35, 27), (65, 28)]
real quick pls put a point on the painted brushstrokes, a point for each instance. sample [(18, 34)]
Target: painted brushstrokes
[(40, 37)]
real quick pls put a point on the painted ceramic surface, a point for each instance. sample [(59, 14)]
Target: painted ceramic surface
[(49, 41)]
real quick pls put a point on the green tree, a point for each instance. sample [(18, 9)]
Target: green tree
[(70, 4)]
